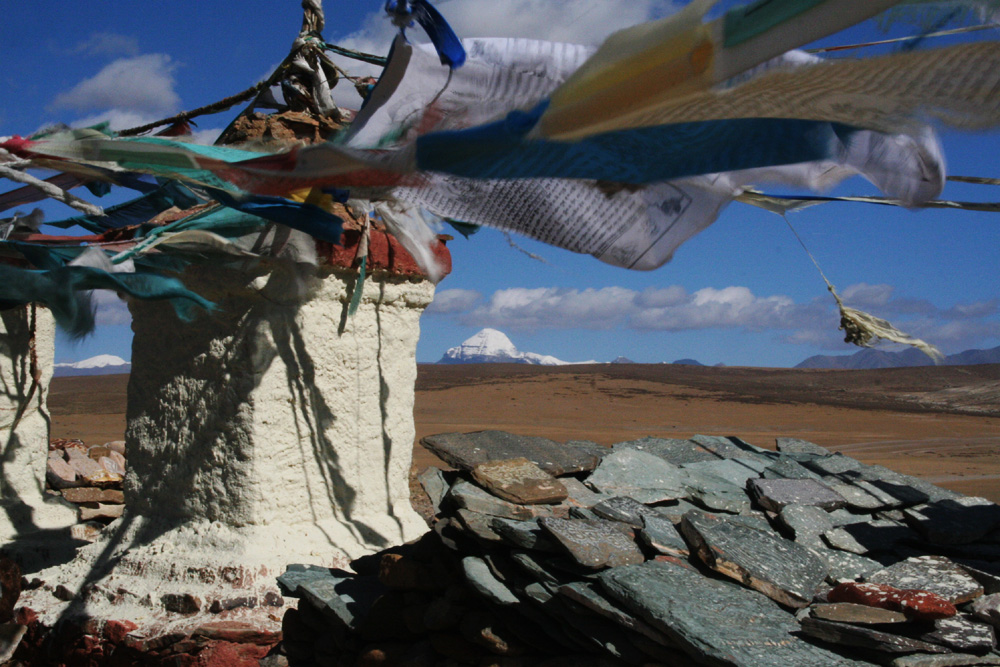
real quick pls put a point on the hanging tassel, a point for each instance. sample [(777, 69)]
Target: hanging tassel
[(359, 286), (864, 329)]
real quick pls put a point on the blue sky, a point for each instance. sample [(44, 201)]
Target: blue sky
[(742, 293)]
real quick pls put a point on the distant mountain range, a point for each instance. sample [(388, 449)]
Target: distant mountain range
[(492, 346), (870, 358), (102, 364)]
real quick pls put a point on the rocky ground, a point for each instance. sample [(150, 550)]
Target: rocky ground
[(701, 551)]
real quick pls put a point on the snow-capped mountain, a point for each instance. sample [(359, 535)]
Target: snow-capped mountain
[(492, 346), (102, 364)]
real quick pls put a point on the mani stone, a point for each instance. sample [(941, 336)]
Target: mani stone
[(844, 566), (958, 521), (641, 476), (715, 493), (863, 637), (467, 450), (672, 450), (482, 580), (784, 571), (338, 595), (876, 536), (775, 494), (797, 446), (788, 469), (585, 595), (519, 481), (477, 525), (622, 508), (715, 622), (435, 486), (593, 544), (987, 608), (579, 495), (946, 660), (734, 471), (806, 523), (962, 633), (659, 533), (469, 496), (523, 534), (858, 614), (917, 604), (835, 464), (936, 574)]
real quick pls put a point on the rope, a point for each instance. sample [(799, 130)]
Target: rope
[(52, 191), (215, 107), (941, 33)]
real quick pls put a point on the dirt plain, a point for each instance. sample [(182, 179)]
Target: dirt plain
[(939, 423)]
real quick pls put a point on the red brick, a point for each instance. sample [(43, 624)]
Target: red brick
[(237, 632), (115, 631)]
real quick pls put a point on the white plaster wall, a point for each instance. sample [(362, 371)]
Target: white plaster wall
[(278, 420), (24, 424)]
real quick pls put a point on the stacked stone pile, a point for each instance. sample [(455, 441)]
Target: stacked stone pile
[(89, 477), (708, 551)]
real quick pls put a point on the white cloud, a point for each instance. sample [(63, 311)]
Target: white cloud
[(813, 323), (863, 295), (518, 308), (142, 84), (111, 310), (453, 301), (107, 44)]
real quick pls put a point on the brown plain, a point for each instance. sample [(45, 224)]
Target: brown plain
[(941, 424)]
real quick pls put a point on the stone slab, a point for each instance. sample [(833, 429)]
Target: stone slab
[(519, 481), (698, 614), (806, 523), (485, 583), (716, 493), (587, 595), (660, 534), (789, 469), (672, 450), (859, 636), (467, 450), (435, 486), (958, 521), (858, 614), (478, 525), (624, 509), (799, 446), (962, 633), (845, 566), (936, 574), (775, 494), (469, 496), (784, 571), (875, 537), (593, 544), (835, 464), (580, 495), (734, 471), (639, 475), (523, 534), (947, 660), (987, 608)]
